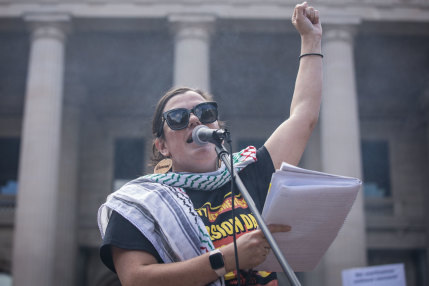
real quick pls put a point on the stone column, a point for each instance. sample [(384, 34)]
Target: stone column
[(340, 146), (192, 50), (424, 103), (66, 232), (35, 220)]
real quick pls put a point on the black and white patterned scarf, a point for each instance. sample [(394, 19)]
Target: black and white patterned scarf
[(159, 207)]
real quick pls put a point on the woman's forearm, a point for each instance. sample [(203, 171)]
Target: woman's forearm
[(134, 269), (308, 86)]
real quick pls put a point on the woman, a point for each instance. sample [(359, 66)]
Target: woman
[(175, 227)]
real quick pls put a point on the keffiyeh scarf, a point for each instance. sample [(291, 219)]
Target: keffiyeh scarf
[(159, 207)]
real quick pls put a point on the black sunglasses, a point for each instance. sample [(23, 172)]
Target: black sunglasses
[(178, 118)]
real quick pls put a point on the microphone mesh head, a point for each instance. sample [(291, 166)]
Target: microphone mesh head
[(195, 137)]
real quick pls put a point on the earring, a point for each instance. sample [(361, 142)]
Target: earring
[(163, 166)]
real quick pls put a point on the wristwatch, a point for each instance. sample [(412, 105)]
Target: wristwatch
[(217, 263)]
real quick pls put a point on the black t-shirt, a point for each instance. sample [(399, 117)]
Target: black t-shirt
[(214, 208)]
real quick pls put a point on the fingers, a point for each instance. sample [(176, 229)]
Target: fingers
[(312, 14), (254, 247), (316, 18), (301, 7), (265, 247), (303, 11), (299, 11), (273, 228), (309, 13), (266, 251)]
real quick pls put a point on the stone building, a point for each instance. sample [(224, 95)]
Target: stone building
[(78, 84)]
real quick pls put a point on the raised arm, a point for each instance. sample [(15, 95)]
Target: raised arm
[(288, 141)]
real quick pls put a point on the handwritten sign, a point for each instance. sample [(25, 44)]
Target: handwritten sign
[(383, 275)]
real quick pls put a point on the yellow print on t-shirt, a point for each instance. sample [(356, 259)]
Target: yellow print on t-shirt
[(243, 223), (213, 212)]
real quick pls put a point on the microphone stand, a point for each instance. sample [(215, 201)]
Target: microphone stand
[(225, 157)]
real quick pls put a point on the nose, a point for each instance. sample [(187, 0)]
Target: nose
[(193, 120)]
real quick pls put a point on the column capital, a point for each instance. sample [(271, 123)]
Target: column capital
[(48, 25), (192, 25), (343, 33), (342, 28)]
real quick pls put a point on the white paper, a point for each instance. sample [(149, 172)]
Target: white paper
[(315, 205)]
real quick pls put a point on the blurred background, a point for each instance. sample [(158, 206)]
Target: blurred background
[(79, 81)]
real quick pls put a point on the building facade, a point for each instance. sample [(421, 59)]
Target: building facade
[(79, 81)]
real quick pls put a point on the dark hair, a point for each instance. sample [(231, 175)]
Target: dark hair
[(157, 117)]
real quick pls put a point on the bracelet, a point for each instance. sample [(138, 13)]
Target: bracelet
[(310, 54)]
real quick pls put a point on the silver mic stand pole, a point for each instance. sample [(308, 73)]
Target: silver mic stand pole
[(225, 157)]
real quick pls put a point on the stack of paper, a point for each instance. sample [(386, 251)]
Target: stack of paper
[(315, 205)]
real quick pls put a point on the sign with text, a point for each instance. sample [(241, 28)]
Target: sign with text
[(383, 275)]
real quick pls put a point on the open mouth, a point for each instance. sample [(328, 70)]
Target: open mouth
[(190, 140)]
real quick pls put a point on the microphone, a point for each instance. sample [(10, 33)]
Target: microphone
[(202, 135)]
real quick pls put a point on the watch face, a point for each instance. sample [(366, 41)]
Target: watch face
[(216, 260)]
